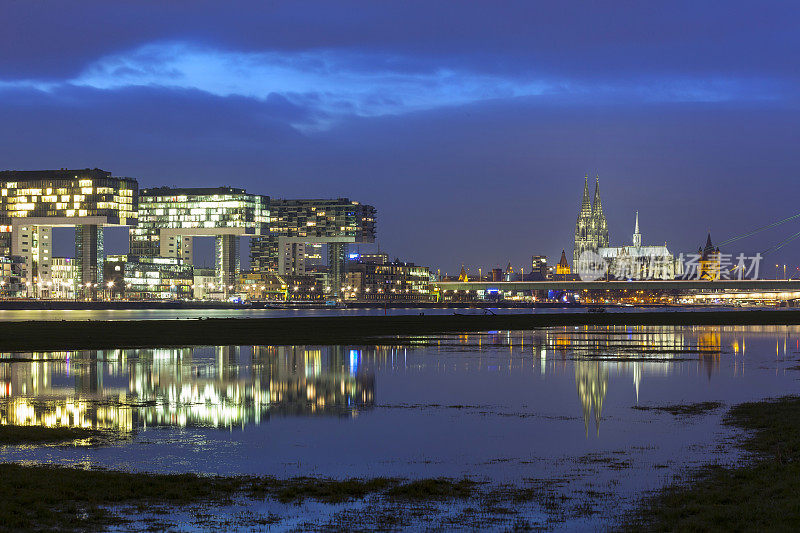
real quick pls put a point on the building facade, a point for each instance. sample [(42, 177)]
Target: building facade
[(12, 281), (710, 261), (375, 278), (205, 285), (33, 202), (591, 228), (169, 219), (297, 224), (158, 278), (640, 262), (64, 276)]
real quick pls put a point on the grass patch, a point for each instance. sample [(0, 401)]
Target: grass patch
[(324, 490), (433, 489), (43, 435), (690, 409), (71, 499), (761, 494), (47, 497)]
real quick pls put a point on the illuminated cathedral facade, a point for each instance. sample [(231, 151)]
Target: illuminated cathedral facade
[(634, 261), (591, 229)]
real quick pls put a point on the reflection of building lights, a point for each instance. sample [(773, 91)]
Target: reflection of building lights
[(168, 387), (354, 361)]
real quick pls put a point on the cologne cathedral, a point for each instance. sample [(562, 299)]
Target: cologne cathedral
[(634, 261), (591, 230)]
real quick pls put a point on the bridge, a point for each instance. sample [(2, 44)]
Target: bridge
[(759, 285)]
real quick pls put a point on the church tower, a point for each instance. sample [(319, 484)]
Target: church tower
[(584, 239), (637, 237), (599, 222)]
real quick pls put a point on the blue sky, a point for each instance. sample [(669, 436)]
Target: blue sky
[(469, 125)]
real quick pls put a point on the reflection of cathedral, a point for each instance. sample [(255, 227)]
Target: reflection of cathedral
[(591, 380), (599, 353), (222, 386)]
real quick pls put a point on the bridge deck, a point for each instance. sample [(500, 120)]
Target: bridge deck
[(769, 285)]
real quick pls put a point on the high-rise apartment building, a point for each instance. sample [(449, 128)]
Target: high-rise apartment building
[(169, 219), (33, 202), (295, 225)]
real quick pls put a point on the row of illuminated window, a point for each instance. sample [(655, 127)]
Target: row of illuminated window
[(73, 205), (312, 216), (200, 200), (178, 210), (22, 212), (192, 219), (52, 198), (177, 224), (127, 193), (232, 207)]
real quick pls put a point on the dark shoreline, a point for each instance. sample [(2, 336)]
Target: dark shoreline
[(62, 305), (386, 330)]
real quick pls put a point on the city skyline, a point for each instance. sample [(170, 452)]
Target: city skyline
[(204, 248), (493, 113)]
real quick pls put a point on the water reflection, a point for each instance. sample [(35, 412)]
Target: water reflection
[(220, 386), (634, 351), (591, 379), (233, 386)]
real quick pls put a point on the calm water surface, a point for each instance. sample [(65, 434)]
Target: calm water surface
[(193, 314), (558, 405)]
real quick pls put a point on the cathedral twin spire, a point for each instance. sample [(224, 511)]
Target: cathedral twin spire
[(591, 229), (586, 205)]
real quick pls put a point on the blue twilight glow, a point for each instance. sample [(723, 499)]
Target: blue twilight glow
[(336, 83)]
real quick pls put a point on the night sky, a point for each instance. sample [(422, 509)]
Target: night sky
[(469, 125)]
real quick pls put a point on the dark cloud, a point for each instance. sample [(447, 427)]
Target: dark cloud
[(566, 39)]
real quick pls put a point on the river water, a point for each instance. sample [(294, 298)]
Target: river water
[(193, 314), (569, 408)]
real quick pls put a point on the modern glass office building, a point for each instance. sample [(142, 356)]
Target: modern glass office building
[(294, 224), (157, 278), (33, 202), (169, 219)]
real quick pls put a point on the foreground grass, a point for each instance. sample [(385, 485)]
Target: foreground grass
[(763, 494), (44, 497), (50, 497), (682, 410), (43, 435)]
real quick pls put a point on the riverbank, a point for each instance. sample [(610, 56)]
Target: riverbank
[(758, 494), (374, 330), (761, 494)]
